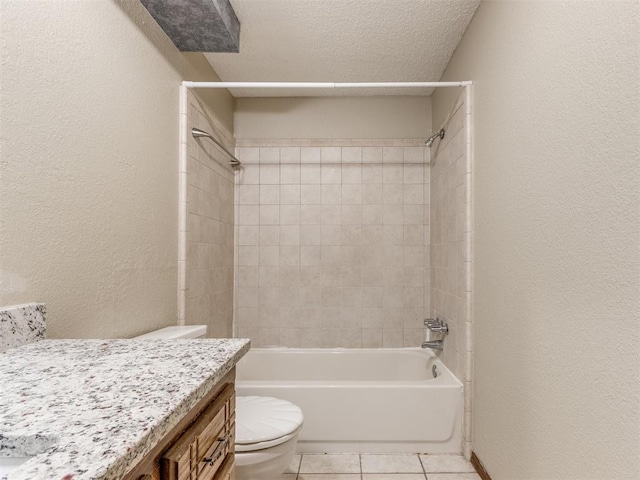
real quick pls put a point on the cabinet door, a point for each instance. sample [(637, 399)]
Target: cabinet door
[(203, 448), (226, 471)]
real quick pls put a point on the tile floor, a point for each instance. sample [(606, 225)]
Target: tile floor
[(380, 467)]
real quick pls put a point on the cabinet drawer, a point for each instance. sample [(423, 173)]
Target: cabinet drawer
[(226, 471), (202, 449)]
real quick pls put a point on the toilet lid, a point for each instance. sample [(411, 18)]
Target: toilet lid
[(261, 419)]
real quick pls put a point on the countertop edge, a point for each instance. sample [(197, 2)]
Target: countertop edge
[(126, 463), (123, 464)]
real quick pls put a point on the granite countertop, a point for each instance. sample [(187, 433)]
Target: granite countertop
[(91, 409)]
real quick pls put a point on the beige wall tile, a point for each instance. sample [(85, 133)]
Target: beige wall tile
[(331, 155), (290, 174), (269, 174), (372, 155), (269, 155), (310, 155), (290, 155), (310, 194), (290, 235), (249, 195), (310, 174), (269, 214), (372, 173), (269, 235), (269, 195), (340, 245), (290, 194), (331, 174), (392, 155)]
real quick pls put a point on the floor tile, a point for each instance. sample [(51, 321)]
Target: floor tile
[(294, 466), (330, 464), (402, 463), (453, 476), (287, 476), (329, 476), (393, 476), (446, 464)]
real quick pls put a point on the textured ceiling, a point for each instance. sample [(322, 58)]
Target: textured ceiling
[(343, 41)]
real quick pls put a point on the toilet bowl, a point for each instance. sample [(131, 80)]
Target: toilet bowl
[(266, 435), (266, 428)]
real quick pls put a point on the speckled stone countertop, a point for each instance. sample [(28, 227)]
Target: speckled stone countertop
[(21, 325), (91, 409)]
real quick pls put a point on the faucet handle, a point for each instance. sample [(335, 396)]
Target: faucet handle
[(442, 328), (436, 325)]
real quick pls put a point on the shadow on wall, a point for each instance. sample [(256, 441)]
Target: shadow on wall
[(188, 65)]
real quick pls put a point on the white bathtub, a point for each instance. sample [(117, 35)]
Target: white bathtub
[(361, 400)]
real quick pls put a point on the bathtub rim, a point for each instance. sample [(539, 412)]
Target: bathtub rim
[(446, 379)]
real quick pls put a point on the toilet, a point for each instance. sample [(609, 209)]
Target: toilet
[(266, 428), (266, 435)]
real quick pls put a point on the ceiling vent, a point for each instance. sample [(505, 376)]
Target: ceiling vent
[(198, 25)]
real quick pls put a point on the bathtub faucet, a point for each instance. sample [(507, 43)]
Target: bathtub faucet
[(434, 344), (437, 326)]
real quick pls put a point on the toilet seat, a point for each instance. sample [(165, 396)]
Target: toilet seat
[(264, 422), (253, 447)]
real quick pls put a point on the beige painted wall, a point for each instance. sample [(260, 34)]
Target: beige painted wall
[(89, 164), (333, 117), (557, 135)]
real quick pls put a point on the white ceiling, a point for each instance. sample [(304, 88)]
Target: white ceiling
[(343, 41)]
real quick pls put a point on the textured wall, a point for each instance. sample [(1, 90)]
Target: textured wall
[(88, 222), (342, 118), (208, 294), (557, 111), (331, 244)]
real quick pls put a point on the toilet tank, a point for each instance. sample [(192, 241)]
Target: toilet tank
[(168, 333)]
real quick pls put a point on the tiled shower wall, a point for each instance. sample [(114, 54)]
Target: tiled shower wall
[(451, 230), (206, 269), (332, 243)]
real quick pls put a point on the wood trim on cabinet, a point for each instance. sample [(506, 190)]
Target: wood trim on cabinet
[(477, 464), (211, 435), (150, 464), (227, 471)]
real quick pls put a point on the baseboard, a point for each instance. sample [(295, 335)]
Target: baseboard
[(477, 464)]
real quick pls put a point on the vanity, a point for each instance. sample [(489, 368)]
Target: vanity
[(200, 446), (120, 409)]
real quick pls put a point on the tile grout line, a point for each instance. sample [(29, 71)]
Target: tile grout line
[(424, 470), (299, 465)]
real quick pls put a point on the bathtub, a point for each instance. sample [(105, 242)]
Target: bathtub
[(361, 400)]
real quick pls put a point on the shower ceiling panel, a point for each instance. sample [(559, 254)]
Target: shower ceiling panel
[(343, 41)]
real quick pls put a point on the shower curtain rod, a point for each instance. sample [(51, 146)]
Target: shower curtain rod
[(324, 84), (197, 133)]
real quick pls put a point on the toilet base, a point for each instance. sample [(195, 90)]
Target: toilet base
[(266, 464)]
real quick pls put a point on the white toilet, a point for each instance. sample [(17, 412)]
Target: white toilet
[(266, 428), (266, 435)]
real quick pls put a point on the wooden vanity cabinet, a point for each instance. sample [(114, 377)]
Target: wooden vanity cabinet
[(201, 446)]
